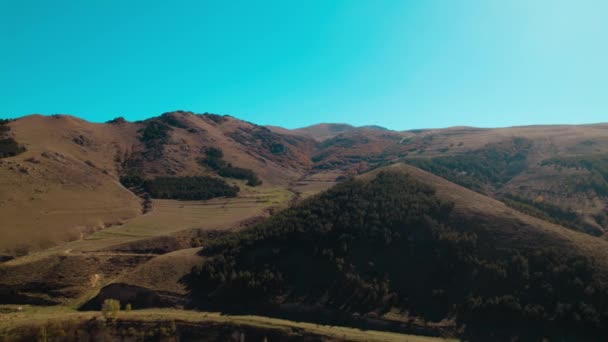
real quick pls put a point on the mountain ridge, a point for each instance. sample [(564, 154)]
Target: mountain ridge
[(546, 180)]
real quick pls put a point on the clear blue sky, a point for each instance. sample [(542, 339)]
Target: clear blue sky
[(401, 64)]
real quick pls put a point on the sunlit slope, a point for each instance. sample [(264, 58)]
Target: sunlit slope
[(64, 185)]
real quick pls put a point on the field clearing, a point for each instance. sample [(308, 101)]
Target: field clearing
[(315, 183), (34, 316), (172, 216)]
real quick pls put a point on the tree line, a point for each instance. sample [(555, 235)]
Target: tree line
[(182, 188), (214, 160)]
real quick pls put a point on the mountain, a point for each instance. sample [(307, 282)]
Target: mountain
[(482, 234), (324, 131), (399, 244), (66, 183), (547, 171), (68, 178)]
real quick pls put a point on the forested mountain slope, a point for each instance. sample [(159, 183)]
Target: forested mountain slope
[(400, 243)]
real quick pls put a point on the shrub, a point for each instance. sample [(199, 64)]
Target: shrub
[(43, 336), (117, 120), (10, 148), (277, 148), (110, 309)]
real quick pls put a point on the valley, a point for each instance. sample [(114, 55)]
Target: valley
[(387, 230)]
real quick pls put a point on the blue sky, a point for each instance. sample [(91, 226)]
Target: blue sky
[(401, 64)]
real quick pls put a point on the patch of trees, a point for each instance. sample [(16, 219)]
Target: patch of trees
[(365, 248), (339, 127), (4, 127), (117, 120), (182, 188), (262, 137), (343, 141), (597, 166), (215, 161), (215, 118), (277, 148), (9, 147), (171, 120), (155, 134), (548, 212), (489, 167)]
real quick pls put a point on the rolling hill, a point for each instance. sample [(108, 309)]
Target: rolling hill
[(68, 177), (400, 244), (501, 226), (548, 171), (324, 131), (66, 184)]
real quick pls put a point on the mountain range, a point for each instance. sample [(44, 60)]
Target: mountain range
[(393, 230)]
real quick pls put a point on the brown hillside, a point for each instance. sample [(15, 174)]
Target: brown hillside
[(67, 180), (324, 131), (66, 183)]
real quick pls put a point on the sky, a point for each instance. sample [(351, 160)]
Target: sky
[(401, 64)]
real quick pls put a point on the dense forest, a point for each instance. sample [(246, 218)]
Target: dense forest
[(8, 146), (215, 161), (182, 188), (596, 180), (480, 170), (549, 212), (370, 247)]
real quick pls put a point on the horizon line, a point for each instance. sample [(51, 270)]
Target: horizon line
[(303, 127)]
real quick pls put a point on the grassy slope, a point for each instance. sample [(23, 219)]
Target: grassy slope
[(92, 257), (66, 182), (49, 194), (33, 316)]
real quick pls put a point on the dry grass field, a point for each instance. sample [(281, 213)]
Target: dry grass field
[(37, 316), (88, 264), (314, 183)]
